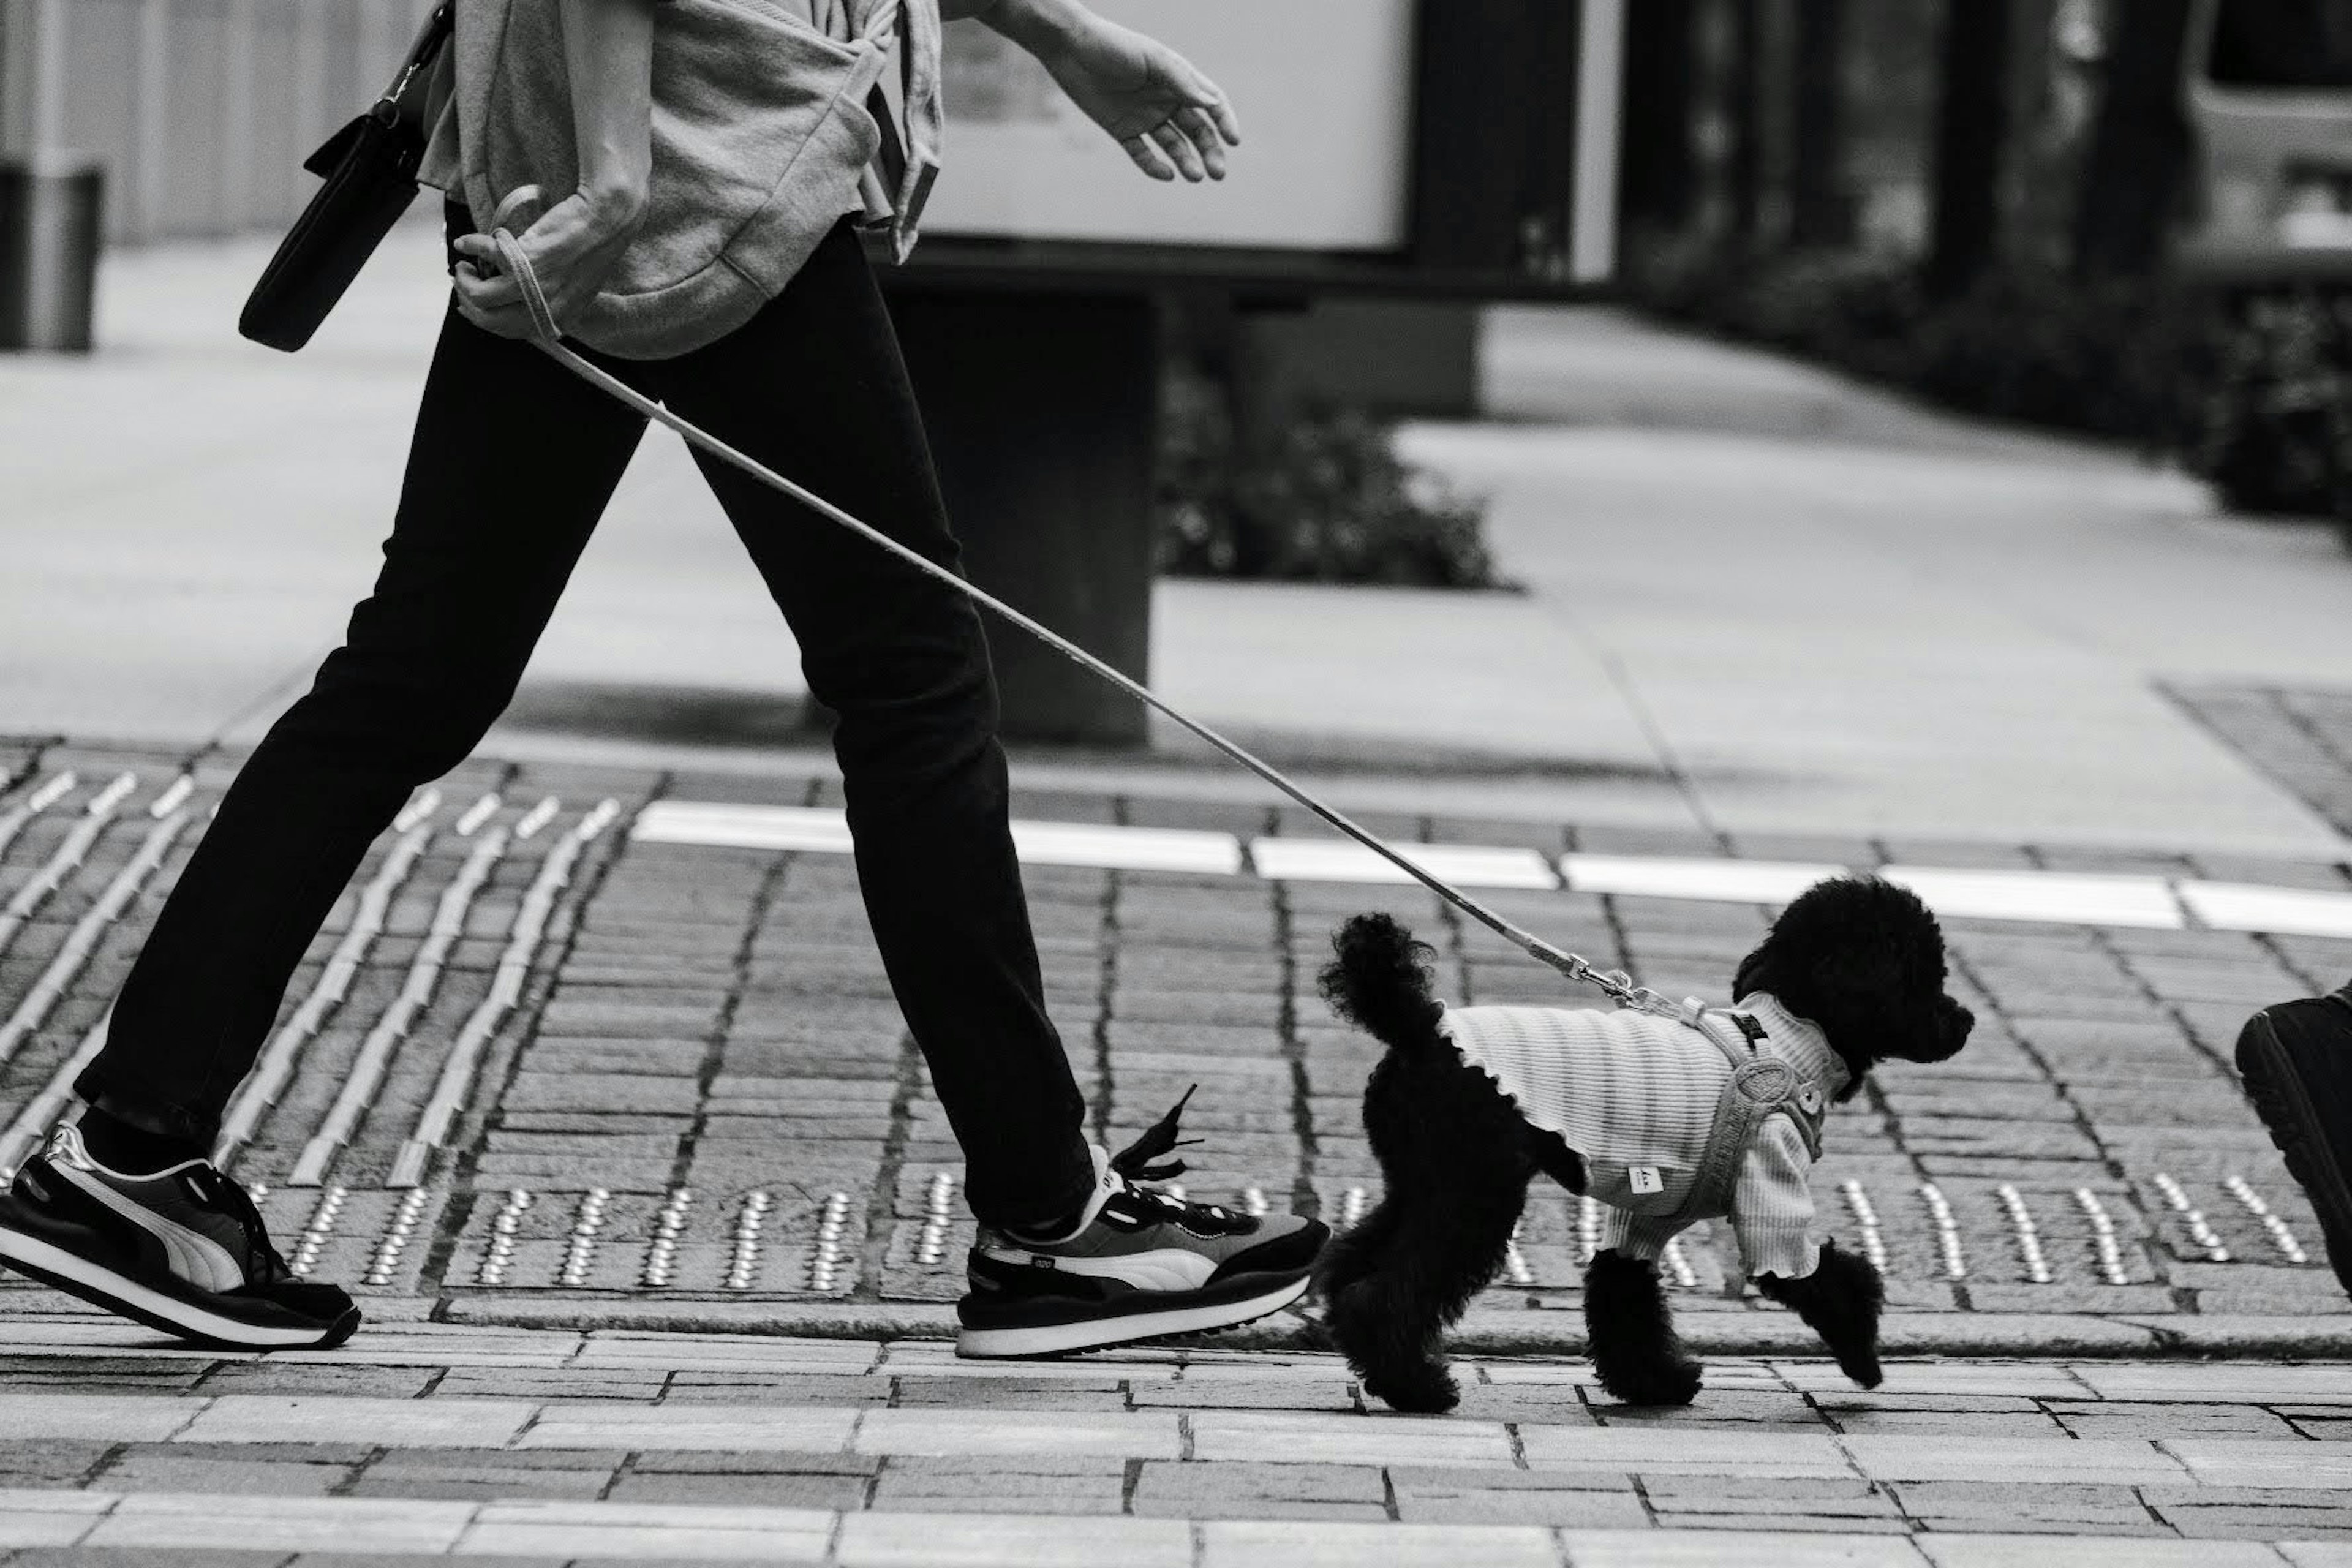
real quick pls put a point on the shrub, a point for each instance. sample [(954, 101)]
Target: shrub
[(2253, 394), (1326, 500)]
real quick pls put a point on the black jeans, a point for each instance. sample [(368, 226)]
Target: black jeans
[(514, 460)]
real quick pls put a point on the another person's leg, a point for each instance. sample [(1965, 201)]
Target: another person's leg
[(2296, 1058), (814, 387), (512, 462)]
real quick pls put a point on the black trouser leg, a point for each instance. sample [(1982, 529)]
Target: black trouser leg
[(512, 462), (814, 388)]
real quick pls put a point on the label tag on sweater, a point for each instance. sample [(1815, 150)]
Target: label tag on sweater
[(1645, 1179)]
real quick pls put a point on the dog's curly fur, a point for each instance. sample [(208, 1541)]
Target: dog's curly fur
[(1858, 957)]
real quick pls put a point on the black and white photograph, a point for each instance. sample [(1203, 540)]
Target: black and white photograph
[(1176, 783)]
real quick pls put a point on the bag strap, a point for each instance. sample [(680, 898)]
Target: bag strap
[(402, 97)]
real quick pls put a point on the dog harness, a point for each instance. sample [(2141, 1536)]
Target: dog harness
[(1714, 1113)]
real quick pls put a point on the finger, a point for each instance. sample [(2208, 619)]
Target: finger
[(479, 248), (485, 293), (1149, 157), (1180, 149), (1202, 130), (1210, 99)]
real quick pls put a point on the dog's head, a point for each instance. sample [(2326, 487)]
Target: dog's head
[(1864, 959)]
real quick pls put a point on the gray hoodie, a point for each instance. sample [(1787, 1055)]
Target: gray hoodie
[(765, 135)]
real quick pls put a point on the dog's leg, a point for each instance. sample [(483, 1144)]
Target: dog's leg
[(1385, 1344), (1631, 1329), (1839, 1301), (1444, 1247), (1357, 1250)]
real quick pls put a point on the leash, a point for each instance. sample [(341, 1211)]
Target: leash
[(1615, 984)]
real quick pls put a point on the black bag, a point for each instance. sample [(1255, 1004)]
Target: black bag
[(370, 167)]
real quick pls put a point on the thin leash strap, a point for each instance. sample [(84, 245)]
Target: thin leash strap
[(1618, 985)]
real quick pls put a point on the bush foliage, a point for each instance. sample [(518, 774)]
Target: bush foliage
[(1325, 500), (2250, 391)]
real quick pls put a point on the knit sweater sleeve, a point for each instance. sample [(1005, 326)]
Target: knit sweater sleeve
[(1631, 1235), (1772, 1206)]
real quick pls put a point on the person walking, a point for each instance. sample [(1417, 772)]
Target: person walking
[(2295, 1059), (512, 462)]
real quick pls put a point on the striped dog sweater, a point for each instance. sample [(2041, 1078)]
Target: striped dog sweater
[(1637, 1097)]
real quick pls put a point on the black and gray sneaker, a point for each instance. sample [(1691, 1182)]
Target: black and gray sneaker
[(181, 1250), (2296, 1059), (1144, 1264)]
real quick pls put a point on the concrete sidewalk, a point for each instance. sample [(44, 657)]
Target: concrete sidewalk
[(1761, 602)]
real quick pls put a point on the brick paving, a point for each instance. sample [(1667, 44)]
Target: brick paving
[(429, 1439), (705, 1111)]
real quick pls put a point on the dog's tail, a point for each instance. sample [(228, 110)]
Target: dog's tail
[(1381, 982)]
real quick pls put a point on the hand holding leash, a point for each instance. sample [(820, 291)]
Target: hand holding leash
[(569, 250)]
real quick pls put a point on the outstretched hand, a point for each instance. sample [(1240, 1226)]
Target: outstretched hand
[(1155, 103)]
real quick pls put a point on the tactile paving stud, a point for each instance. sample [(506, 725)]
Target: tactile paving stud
[(2027, 1234), (932, 1243), (2103, 1237), (315, 1235), (661, 1253), (1678, 1264), (2281, 1236), (1352, 1205), (1587, 1228), (2201, 1230), (503, 1230), (1515, 1262), (743, 1266), (176, 795), (396, 1233), (1948, 1230), (1865, 1217), (825, 1263), (587, 1230), (1254, 1202)]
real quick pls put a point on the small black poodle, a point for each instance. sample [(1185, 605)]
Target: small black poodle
[(1469, 1104)]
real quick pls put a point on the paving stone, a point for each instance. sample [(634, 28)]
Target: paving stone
[(1306, 1438), (1232, 1544), (1240, 1393), (845, 1493), (2020, 1551), (2153, 1422), (923, 1540), (479, 1423), (151, 1471)]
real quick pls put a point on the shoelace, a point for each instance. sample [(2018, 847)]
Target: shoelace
[(1144, 1161)]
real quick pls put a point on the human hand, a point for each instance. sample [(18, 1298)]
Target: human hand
[(573, 247), (1173, 119)]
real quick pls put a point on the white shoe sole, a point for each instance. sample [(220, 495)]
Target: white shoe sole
[(104, 1288), (1097, 1334)]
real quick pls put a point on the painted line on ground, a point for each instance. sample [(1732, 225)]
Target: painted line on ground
[(2063, 898), (1336, 860), (1669, 877)]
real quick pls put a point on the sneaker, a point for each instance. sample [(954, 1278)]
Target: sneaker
[(2296, 1059), (1142, 1265), (181, 1250)]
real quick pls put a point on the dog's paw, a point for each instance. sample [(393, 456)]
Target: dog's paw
[(1659, 1383), (1424, 1390), (1861, 1364)]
